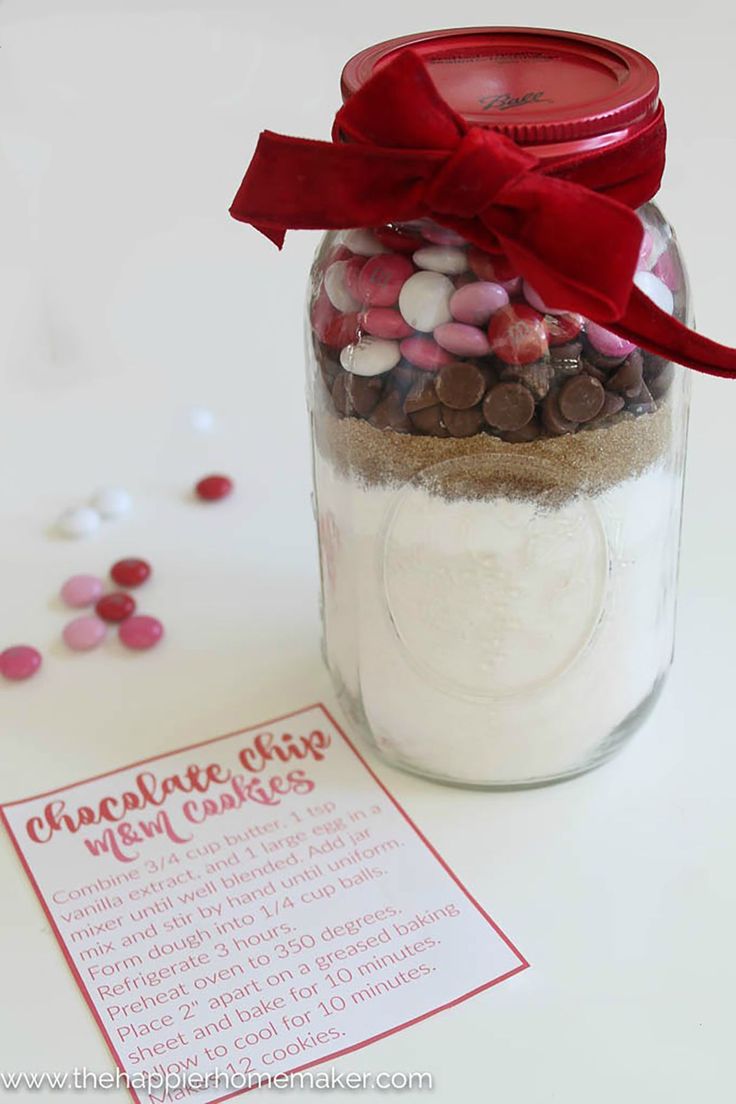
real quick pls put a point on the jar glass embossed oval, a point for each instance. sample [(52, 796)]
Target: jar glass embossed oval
[(498, 483)]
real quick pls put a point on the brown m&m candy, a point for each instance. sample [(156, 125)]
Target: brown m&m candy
[(460, 385), (581, 398), (462, 423), (508, 406)]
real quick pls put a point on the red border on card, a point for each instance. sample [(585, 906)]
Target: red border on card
[(523, 964)]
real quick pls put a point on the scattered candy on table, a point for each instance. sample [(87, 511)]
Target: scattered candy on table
[(19, 662), (81, 590), (130, 572), (140, 632), (84, 633), (115, 607), (111, 502), (214, 487), (79, 521)]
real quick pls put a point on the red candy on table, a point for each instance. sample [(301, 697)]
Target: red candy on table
[(19, 662), (115, 607), (140, 632), (130, 572), (214, 487), (517, 334)]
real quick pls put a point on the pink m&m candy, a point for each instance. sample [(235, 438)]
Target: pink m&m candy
[(607, 343), (384, 322), (475, 303), (534, 299), (381, 279), (140, 632), (462, 340), (424, 352), (81, 590), (84, 633), (19, 662)]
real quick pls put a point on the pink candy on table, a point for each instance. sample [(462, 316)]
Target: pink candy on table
[(607, 343), (424, 352), (81, 590), (19, 662), (381, 279), (384, 322), (140, 632), (461, 339), (84, 633), (474, 303)]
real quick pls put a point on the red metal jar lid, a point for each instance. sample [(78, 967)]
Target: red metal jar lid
[(541, 88)]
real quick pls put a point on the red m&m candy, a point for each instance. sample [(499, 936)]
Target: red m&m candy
[(214, 487), (130, 572), (517, 334), (115, 607)]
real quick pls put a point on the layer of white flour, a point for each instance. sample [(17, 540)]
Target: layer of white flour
[(497, 641)]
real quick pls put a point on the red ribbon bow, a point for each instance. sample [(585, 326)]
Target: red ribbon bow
[(400, 153)]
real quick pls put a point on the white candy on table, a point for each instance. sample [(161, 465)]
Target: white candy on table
[(656, 290), (337, 290), (363, 243), (371, 356), (111, 502), (424, 300), (442, 258), (80, 521)]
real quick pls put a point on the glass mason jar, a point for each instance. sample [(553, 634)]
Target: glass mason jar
[(498, 491)]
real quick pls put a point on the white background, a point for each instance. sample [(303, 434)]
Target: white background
[(126, 296)]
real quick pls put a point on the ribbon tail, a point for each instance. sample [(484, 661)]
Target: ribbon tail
[(300, 184), (647, 325)]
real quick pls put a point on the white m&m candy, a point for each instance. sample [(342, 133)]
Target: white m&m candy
[(442, 258), (111, 502), (424, 300), (656, 290), (337, 289), (81, 521), (363, 243), (371, 356)]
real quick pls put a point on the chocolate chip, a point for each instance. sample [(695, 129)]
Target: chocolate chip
[(364, 392), (463, 423), (389, 414), (569, 351), (581, 398), (628, 378), (529, 432), (429, 422), (599, 359), (596, 373), (537, 376), (460, 385), (330, 370), (660, 384), (508, 406), (404, 376), (642, 403), (341, 395), (422, 394), (552, 418), (612, 404)]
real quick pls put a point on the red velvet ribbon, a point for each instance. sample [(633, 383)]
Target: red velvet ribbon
[(568, 225)]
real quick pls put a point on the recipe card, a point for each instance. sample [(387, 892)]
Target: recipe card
[(250, 906)]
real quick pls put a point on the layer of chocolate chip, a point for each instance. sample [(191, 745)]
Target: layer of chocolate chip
[(552, 417), (571, 350), (389, 413), (527, 433), (364, 392), (422, 393), (599, 359), (596, 373), (330, 370), (612, 404), (581, 398), (463, 423), (629, 377), (642, 403), (429, 421), (404, 376), (460, 385), (537, 377), (341, 396), (508, 406)]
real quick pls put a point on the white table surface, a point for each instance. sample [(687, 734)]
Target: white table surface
[(127, 295)]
